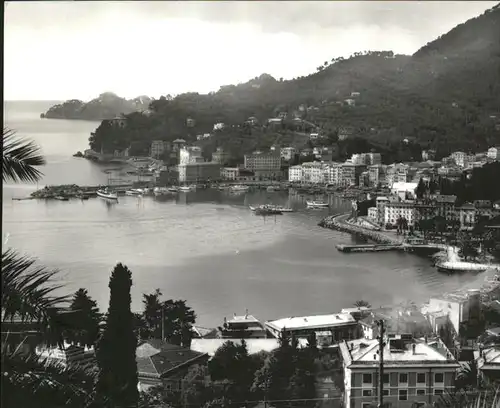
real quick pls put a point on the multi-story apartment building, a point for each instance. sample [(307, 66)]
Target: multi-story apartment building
[(376, 174), (295, 173), (358, 158), (373, 158), (364, 180), (416, 372), (198, 172), (332, 328), (466, 216), (265, 163), (381, 202), (334, 173), (288, 153), (230, 173), (190, 155), (347, 175), (445, 206), (243, 327), (395, 210), (158, 147), (313, 172), (459, 158)]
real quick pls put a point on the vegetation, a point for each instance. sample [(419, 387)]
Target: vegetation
[(117, 383), (87, 319), (178, 319), (105, 106), (20, 159), (445, 97)]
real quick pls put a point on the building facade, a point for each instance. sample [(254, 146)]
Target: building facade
[(158, 147), (263, 162), (189, 155), (220, 156), (199, 172), (416, 372), (230, 173), (395, 210)]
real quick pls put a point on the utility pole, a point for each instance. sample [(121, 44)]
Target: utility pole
[(381, 345), (162, 322)]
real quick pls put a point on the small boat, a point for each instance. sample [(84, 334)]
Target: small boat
[(173, 189), (284, 209), (271, 189), (134, 192), (239, 188), (185, 189), (223, 187), (61, 198), (267, 211), (317, 204), (105, 193), (82, 197), (161, 191)]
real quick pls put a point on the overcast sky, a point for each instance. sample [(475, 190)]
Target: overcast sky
[(65, 50)]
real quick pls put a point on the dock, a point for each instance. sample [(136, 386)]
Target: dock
[(421, 248), (369, 248)]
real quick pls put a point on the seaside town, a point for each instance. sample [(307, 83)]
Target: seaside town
[(317, 236)]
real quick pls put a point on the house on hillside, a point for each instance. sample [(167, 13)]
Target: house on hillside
[(159, 362), (350, 102)]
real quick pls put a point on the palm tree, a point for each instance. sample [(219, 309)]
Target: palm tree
[(20, 157), (362, 303), (27, 294)]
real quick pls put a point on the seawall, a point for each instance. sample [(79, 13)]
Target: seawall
[(338, 222)]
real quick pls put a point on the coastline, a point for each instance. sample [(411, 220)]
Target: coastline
[(338, 222)]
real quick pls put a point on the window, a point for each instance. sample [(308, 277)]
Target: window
[(438, 378), (366, 405), (403, 378), (438, 392), (385, 392), (418, 404), (367, 393), (420, 378), (386, 378), (367, 379), (420, 391), (403, 395)]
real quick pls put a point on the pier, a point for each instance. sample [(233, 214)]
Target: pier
[(423, 248)]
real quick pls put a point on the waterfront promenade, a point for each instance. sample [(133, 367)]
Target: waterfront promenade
[(340, 222)]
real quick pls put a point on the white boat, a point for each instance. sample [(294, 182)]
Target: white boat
[(134, 192), (284, 209), (105, 193), (186, 189), (270, 189), (317, 204), (239, 188), (161, 191), (173, 189)]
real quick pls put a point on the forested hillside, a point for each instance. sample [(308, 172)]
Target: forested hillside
[(446, 97)]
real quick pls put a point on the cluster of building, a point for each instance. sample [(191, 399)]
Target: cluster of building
[(418, 366)]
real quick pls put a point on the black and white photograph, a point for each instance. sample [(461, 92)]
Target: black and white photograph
[(251, 204)]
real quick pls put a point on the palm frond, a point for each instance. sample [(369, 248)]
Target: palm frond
[(27, 289), (20, 158), (28, 380)]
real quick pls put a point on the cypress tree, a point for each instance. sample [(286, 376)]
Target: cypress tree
[(117, 381)]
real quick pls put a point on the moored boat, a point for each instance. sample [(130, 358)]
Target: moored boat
[(173, 189), (267, 211), (461, 267), (187, 189), (61, 198), (161, 191), (134, 192), (317, 204), (239, 188), (105, 193)]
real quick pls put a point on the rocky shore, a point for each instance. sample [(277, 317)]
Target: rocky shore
[(339, 222)]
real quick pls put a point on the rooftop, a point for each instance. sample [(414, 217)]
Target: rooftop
[(396, 352), (306, 322), (243, 319), (155, 357)]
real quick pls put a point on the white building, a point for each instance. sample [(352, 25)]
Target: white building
[(219, 126), (313, 172), (230, 173), (295, 173), (334, 173), (198, 172), (402, 189), (395, 210), (416, 371), (373, 158), (333, 328), (350, 102), (270, 162), (373, 214), (494, 153), (347, 175), (189, 155)]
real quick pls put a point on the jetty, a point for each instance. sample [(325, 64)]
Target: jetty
[(74, 191), (368, 248)]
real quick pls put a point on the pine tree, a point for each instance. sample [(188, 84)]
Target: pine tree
[(86, 319), (117, 382)]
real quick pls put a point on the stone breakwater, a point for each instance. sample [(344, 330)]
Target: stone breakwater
[(339, 222)]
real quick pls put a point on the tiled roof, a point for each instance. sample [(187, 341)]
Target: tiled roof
[(155, 357)]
